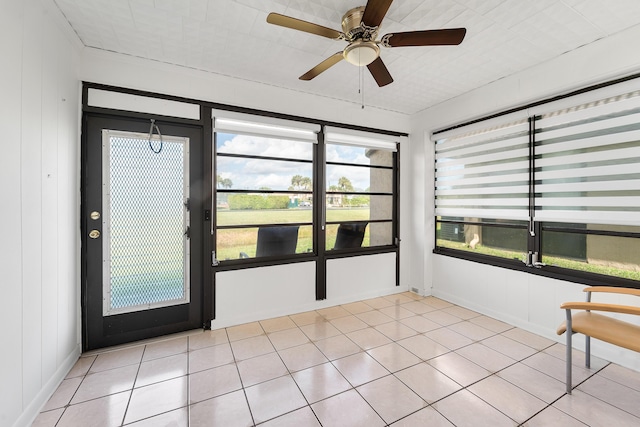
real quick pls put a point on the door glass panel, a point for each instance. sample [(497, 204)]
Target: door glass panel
[(145, 198)]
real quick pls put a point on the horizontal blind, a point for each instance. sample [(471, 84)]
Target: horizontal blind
[(335, 135), (248, 124), (587, 163), (483, 172)]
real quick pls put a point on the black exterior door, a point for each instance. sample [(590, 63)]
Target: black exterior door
[(142, 244)]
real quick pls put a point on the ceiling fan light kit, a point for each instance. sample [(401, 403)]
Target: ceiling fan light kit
[(360, 27), (361, 53)]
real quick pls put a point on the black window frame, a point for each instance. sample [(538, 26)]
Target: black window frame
[(532, 263), (318, 192), (394, 172)]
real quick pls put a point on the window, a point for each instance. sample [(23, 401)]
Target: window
[(264, 172), (482, 189), (561, 189), (276, 197), (587, 189), (360, 198)]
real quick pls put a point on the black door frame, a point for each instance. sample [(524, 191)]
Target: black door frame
[(99, 331)]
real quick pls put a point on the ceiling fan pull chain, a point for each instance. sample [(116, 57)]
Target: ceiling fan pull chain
[(361, 86)]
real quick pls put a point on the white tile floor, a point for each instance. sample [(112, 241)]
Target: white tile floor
[(400, 360)]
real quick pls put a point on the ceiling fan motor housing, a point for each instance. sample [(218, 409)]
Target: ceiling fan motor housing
[(362, 49), (353, 28)]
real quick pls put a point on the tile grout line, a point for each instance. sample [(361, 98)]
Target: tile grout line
[(133, 385), (544, 350)]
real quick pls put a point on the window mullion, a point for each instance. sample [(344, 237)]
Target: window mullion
[(533, 243), (319, 216)]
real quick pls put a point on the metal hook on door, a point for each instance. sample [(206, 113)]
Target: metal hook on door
[(154, 125)]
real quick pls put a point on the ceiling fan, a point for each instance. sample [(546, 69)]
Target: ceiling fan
[(360, 27)]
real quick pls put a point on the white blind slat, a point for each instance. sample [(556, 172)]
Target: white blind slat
[(513, 158), (233, 122), (601, 171), (593, 126), (616, 185), (483, 190), (506, 180), (586, 217), (335, 135), (629, 201), (600, 156), (586, 143), (511, 214), (497, 126), (624, 103)]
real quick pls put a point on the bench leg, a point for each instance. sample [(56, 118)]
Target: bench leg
[(569, 333), (587, 351), (568, 380)]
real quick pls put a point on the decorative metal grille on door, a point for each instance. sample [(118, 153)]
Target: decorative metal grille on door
[(146, 221)]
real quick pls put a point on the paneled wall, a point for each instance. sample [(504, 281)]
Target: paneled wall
[(39, 172)]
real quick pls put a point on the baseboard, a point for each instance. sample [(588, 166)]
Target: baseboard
[(316, 305), (32, 410), (608, 352)]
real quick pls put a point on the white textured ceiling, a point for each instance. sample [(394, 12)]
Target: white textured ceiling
[(232, 37)]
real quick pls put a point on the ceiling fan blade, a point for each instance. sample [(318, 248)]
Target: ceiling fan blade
[(323, 66), (307, 27), (375, 11), (452, 36), (380, 73)]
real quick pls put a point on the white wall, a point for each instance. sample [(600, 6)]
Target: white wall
[(39, 224), (261, 293), (528, 301), (355, 278)]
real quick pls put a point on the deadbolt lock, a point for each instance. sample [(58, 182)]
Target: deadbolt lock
[(95, 215), (94, 234)]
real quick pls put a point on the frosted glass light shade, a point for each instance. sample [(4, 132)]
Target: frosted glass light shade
[(361, 53)]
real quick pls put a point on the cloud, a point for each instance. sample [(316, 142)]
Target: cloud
[(263, 146), (252, 173), (359, 177), (347, 154)]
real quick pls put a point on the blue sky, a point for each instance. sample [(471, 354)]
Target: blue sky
[(256, 173)]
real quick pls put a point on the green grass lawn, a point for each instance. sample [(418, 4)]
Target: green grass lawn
[(231, 242), (549, 260)]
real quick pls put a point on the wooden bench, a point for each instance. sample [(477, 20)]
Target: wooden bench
[(599, 326)]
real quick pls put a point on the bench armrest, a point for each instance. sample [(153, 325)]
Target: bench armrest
[(598, 306), (613, 290)]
